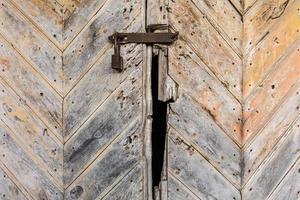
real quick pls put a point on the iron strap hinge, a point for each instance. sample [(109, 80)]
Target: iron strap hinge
[(149, 38)]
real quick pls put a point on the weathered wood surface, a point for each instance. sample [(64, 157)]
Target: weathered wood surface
[(92, 41), (85, 96), (204, 156), (66, 116), (272, 47), (112, 118), (111, 167), (272, 132), (31, 44), (37, 181), (178, 191), (276, 87), (225, 18), (20, 76), (260, 18), (8, 189), (190, 72), (189, 166), (31, 132), (198, 127), (73, 128), (271, 100), (236, 64), (129, 188), (283, 157), (47, 17), (207, 43), (288, 189)]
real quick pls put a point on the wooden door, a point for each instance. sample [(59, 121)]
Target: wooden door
[(233, 130), (71, 127)]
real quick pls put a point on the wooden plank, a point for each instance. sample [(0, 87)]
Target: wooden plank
[(92, 41), (177, 191), (260, 60), (45, 15), (111, 119), (31, 44), (8, 189), (167, 88), (196, 173), (15, 181), (197, 126), (273, 89), (262, 16), (256, 152), (69, 7), (249, 3), (77, 14), (131, 187), (289, 187), (225, 19), (31, 132), (36, 182), (112, 165), (96, 86), (188, 71), (238, 4), (157, 12), (277, 165), (207, 44), (40, 97)]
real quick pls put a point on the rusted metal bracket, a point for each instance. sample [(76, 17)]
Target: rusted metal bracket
[(149, 38)]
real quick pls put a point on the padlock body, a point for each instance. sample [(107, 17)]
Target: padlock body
[(117, 62)]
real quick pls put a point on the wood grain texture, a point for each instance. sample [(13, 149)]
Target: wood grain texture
[(32, 45), (46, 16), (92, 42), (271, 107), (81, 102), (118, 159), (21, 76), (272, 132), (225, 45), (225, 18), (199, 128), (38, 182), (260, 19), (66, 115), (260, 60), (274, 88), (187, 69), (205, 138), (277, 165), (199, 34), (129, 188), (178, 191), (288, 187), (77, 15), (111, 119), (31, 131), (73, 128), (9, 189), (198, 174)]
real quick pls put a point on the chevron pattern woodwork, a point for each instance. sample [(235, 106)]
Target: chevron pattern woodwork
[(271, 101), (234, 129), (73, 128)]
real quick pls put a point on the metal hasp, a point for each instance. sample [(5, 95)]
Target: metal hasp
[(149, 38)]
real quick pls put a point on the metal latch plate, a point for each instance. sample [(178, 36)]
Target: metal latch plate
[(149, 38)]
